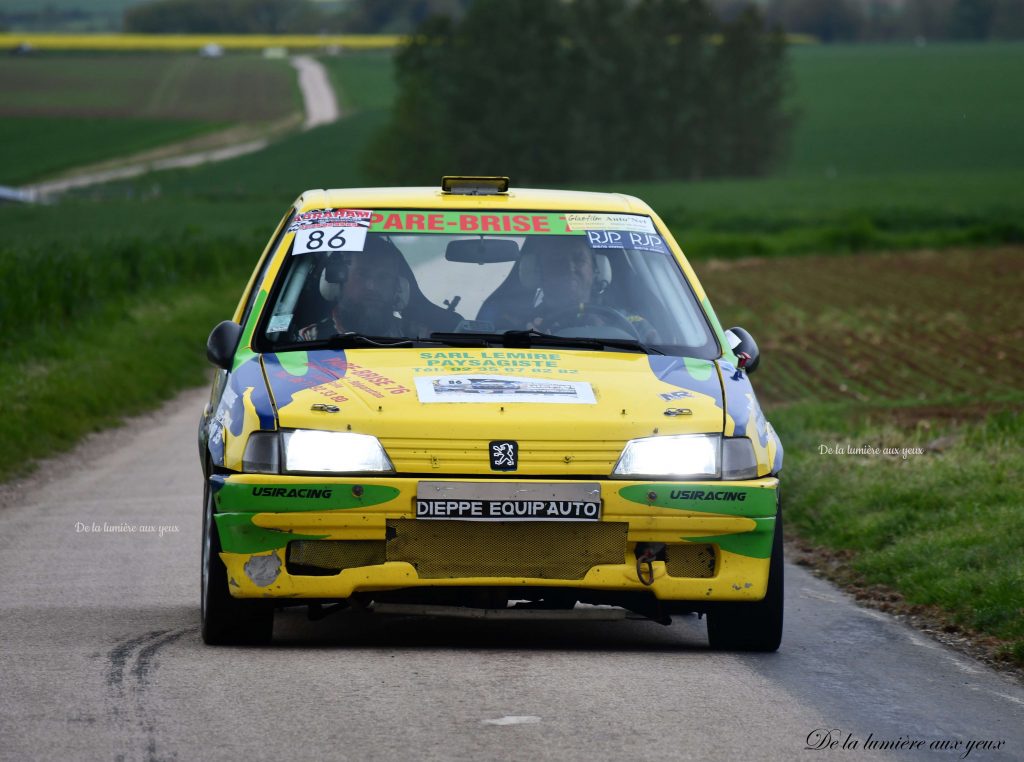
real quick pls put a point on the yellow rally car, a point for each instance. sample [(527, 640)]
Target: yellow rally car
[(485, 402)]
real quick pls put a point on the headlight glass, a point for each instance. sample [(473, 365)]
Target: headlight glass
[(335, 452), (686, 456), (738, 459), (262, 453)]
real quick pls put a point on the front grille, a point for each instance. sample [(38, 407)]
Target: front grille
[(331, 556), (541, 549), (467, 456), (454, 549), (690, 560)]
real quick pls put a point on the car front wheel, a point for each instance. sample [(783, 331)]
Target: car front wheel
[(227, 621), (753, 626)]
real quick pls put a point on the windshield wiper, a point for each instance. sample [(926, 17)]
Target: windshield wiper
[(535, 338), (634, 344), (348, 340), (513, 339)]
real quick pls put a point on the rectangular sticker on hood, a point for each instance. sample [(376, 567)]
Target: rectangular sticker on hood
[(503, 389)]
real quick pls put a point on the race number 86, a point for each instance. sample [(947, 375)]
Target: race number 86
[(329, 239), (316, 240)]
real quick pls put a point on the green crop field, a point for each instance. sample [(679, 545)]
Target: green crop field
[(365, 82), (34, 147), (63, 111), (888, 109), (233, 88)]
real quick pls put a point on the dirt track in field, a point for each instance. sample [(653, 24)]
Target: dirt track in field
[(876, 327), (320, 107)]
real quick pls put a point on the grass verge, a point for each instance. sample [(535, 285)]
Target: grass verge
[(119, 362), (938, 521), (52, 291), (92, 333)]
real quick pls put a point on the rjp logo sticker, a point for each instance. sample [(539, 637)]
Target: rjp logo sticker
[(626, 239), (504, 455)]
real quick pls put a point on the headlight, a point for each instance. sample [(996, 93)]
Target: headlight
[(308, 452), (687, 456), (738, 459), (337, 452), (262, 453)]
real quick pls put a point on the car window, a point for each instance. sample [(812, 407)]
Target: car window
[(268, 256), (601, 276)]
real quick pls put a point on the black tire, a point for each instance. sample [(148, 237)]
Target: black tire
[(753, 626), (227, 621)]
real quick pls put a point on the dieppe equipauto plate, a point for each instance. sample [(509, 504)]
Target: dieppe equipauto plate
[(509, 501)]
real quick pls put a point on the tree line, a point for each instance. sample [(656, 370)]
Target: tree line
[(827, 20), (285, 16), (598, 90), (889, 20), (224, 17)]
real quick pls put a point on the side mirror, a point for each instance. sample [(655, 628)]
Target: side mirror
[(743, 343), (223, 341)]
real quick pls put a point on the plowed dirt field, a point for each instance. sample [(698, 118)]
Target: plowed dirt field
[(909, 326)]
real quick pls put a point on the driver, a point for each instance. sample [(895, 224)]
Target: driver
[(567, 281), (367, 292)]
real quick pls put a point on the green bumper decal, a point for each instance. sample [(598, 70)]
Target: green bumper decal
[(239, 535), (706, 498), (306, 496), (754, 544)]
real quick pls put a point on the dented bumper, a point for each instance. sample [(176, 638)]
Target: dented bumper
[(328, 538)]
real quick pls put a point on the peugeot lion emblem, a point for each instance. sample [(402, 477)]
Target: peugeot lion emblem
[(504, 455)]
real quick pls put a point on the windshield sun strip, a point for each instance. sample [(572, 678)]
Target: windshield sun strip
[(262, 343)]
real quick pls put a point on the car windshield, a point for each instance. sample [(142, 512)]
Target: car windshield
[(386, 277)]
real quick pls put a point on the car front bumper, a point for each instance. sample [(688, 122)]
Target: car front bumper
[(717, 540)]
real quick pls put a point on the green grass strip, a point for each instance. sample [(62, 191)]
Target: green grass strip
[(105, 369), (942, 527)]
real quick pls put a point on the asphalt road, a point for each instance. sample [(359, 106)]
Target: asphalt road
[(100, 656)]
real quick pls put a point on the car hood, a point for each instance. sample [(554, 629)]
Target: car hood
[(437, 410)]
